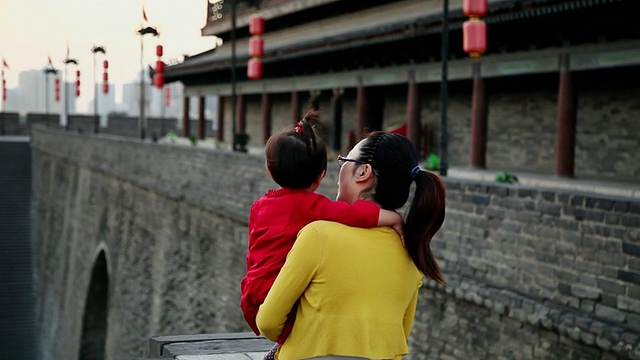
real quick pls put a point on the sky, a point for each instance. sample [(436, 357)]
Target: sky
[(33, 30)]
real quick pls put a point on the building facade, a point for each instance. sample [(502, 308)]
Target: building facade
[(552, 94)]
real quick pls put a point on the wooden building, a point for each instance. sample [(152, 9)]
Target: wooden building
[(556, 92)]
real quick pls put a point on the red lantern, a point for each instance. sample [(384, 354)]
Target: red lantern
[(475, 8), (57, 89), (474, 37), (256, 46), (158, 79), (159, 50), (4, 89), (105, 77), (167, 96), (105, 88), (256, 25), (254, 68), (105, 64), (77, 83), (159, 66)]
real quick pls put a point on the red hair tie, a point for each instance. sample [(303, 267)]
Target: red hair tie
[(299, 129)]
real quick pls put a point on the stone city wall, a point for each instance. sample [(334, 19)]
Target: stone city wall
[(532, 273)]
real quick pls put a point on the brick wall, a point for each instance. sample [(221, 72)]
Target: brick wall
[(532, 272), (10, 124)]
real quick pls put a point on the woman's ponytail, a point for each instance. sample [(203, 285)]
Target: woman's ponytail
[(424, 219)]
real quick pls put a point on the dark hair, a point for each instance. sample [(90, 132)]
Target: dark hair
[(296, 157), (393, 157)]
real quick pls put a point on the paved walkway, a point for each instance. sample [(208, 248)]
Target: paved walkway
[(598, 186), (605, 187)]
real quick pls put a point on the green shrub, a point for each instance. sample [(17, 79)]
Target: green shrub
[(433, 162), (506, 177)]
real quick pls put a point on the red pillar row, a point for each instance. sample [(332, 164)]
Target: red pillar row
[(201, 104), (413, 111), (295, 107), (567, 115), (185, 117), (477, 157), (242, 115), (266, 117), (220, 130), (361, 112), (337, 119)]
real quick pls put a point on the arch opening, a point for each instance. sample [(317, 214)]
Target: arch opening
[(94, 322)]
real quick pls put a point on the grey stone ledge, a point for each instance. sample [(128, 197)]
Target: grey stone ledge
[(572, 323)]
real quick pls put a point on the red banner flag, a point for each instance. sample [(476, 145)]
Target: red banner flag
[(50, 63), (4, 63), (144, 14)]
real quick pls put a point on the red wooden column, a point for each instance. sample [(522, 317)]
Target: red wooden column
[(201, 103), (185, 117), (266, 117), (295, 106), (361, 111), (337, 119), (477, 158), (242, 115), (567, 115), (413, 110), (220, 130)]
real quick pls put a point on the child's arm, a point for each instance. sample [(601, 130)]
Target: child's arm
[(360, 214), (393, 219)]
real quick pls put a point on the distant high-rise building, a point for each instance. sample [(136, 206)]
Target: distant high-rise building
[(106, 103)]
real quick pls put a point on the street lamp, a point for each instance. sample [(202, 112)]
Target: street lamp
[(66, 62), (234, 95), (96, 119), (144, 30), (48, 71), (443, 90)]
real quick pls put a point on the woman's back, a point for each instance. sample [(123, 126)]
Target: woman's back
[(357, 289)]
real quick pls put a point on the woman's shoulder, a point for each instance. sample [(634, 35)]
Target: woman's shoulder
[(326, 225)]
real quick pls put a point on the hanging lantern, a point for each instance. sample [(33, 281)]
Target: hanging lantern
[(256, 46), (254, 68), (475, 8), (105, 77), (57, 89), (474, 37), (256, 25), (158, 80), (159, 66), (167, 96), (474, 30), (77, 83), (158, 75)]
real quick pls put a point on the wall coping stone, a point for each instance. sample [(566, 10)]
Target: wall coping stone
[(541, 313)]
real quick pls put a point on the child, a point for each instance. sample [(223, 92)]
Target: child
[(297, 161)]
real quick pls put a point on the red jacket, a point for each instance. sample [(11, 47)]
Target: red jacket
[(274, 222)]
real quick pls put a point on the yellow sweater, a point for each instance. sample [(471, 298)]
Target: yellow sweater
[(358, 290)]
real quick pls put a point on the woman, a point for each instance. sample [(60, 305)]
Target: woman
[(357, 288)]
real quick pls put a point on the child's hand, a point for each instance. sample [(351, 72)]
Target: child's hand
[(393, 219), (398, 228)]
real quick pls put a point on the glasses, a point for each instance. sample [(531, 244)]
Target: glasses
[(342, 160)]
